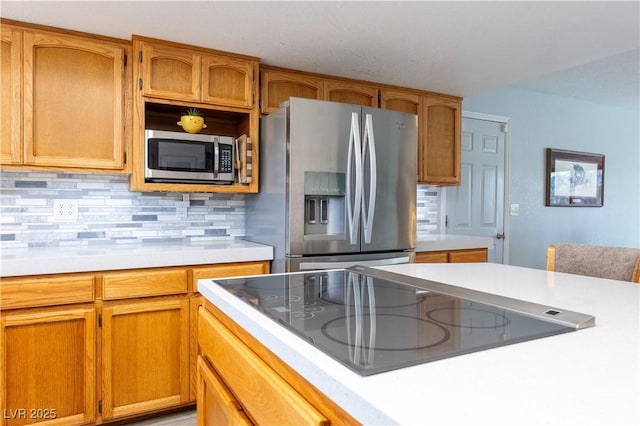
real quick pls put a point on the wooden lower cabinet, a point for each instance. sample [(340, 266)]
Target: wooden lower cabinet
[(145, 356), (97, 347), (453, 256), (239, 378), (48, 366)]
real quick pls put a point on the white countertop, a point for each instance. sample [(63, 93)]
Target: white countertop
[(436, 242), (587, 377), (33, 261)]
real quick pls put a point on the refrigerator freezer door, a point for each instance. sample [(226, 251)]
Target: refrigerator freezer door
[(390, 174)]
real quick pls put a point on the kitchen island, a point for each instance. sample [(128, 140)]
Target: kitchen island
[(587, 377)]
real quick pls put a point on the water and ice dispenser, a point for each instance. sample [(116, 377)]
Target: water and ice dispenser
[(324, 199)]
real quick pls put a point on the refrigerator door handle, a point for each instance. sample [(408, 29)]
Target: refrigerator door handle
[(369, 145), (354, 201)]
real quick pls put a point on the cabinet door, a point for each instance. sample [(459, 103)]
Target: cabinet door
[(400, 101), (439, 147), (170, 72), (11, 105), (263, 393), (73, 101), (213, 271), (216, 404), (350, 93), (145, 356), (228, 81), (278, 86), (48, 367)]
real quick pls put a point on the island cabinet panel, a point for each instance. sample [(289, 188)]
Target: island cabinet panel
[(212, 271), (74, 101), (217, 405), (439, 148), (453, 256), (48, 366), (264, 396), (145, 351), (277, 86), (11, 98)]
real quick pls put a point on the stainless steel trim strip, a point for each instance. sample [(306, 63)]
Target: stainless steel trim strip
[(547, 313), (308, 266)]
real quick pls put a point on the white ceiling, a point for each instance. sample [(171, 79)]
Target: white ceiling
[(585, 49)]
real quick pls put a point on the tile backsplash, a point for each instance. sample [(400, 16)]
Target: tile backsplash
[(429, 210), (108, 213)]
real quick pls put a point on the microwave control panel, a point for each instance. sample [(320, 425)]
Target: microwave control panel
[(225, 163)]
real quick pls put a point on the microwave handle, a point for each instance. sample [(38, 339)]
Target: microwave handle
[(216, 159)]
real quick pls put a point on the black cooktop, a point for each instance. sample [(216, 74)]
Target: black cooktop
[(374, 321)]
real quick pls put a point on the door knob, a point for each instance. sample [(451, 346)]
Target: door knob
[(500, 235)]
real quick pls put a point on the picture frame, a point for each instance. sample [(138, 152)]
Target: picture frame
[(574, 179)]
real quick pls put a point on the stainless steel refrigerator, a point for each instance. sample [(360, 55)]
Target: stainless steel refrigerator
[(337, 186)]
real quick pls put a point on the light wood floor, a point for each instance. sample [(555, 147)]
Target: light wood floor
[(183, 418)]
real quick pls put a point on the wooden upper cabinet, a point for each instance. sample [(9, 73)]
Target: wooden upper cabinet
[(228, 81), (350, 93), (11, 105), (439, 147), (74, 101), (400, 101), (189, 75), (278, 86), (169, 72)]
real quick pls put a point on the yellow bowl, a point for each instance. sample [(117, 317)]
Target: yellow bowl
[(192, 123)]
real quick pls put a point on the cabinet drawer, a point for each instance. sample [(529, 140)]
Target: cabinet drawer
[(264, 395), (431, 257), (471, 255), (143, 283), (46, 291), (229, 270)]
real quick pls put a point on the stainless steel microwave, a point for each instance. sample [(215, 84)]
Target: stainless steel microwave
[(175, 157)]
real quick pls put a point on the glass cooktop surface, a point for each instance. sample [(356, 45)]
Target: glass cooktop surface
[(374, 321)]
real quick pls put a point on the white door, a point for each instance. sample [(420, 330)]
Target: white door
[(476, 207)]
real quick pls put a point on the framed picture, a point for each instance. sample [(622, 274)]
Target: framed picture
[(574, 179)]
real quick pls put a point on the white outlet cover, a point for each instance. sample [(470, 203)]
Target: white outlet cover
[(65, 210)]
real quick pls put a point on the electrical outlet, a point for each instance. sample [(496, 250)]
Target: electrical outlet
[(181, 209), (65, 210)]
